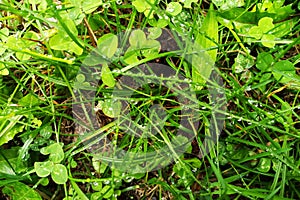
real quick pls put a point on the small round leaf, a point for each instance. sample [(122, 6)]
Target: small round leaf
[(59, 174), (174, 8)]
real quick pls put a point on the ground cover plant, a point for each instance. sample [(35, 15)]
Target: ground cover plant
[(152, 99)]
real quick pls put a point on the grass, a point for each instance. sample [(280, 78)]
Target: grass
[(116, 131)]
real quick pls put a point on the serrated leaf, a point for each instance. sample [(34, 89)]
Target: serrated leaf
[(20, 191), (107, 76), (43, 169), (59, 174)]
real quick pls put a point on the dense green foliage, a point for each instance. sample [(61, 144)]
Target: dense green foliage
[(47, 49)]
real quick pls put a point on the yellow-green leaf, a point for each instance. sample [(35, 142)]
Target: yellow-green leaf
[(107, 77), (207, 39), (208, 36)]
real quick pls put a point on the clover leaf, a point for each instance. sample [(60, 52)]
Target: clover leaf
[(145, 7), (43, 169), (107, 76), (268, 40), (284, 71), (174, 8), (187, 3), (141, 46), (265, 25), (264, 61), (59, 174), (110, 107), (56, 152)]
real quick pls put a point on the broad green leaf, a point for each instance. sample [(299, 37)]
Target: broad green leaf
[(11, 129), (73, 47), (3, 70), (151, 48), (28, 36), (43, 169), (266, 24), (173, 8), (60, 41), (59, 174), (161, 23), (264, 61), (139, 5), (107, 45), (203, 64), (187, 3), (29, 100), (131, 55), (89, 6), (268, 40), (137, 39), (264, 165), (96, 196), (145, 7), (107, 76), (110, 107), (56, 152), (154, 33), (256, 32), (4, 33), (209, 29), (284, 71), (9, 161), (20, 191)]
